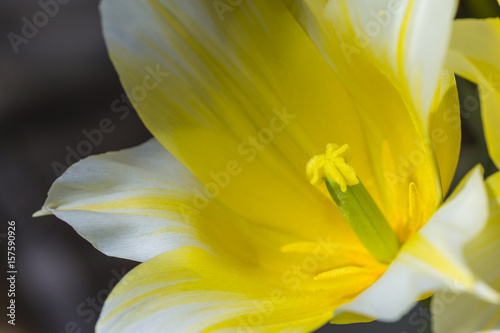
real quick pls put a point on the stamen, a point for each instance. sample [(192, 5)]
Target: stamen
[(414, 210), (351, 270), (354, 202), (412, 199), (340, 272)]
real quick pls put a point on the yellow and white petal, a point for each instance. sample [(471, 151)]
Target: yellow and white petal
[(407, 39), (432, 260), (238, 85), (190, 290), (132, 204), (386, 52), (475, 55), (464, 313)]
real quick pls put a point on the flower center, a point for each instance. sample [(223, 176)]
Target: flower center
[(354, 202)]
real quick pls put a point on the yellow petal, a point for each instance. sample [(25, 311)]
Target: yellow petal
[(250, 89), (474, 55), (190, 290)]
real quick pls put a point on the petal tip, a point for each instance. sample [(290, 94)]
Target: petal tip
[(42, 212)]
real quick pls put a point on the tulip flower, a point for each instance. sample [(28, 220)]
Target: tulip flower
[(241, 218)]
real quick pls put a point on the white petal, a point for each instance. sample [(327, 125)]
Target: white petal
[(128, 204)]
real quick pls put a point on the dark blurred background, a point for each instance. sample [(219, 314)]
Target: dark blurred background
[(54, 85)]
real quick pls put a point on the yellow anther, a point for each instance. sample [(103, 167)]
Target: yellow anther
[(415, 217), (413, 197), (332, 165)]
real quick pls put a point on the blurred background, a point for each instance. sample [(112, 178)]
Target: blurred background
[(56, 84)]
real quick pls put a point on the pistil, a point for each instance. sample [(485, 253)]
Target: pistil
[(354, 202)]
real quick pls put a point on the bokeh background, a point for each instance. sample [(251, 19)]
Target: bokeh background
[(59, 83)]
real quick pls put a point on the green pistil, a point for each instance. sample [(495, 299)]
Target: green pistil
[(354, 202)]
